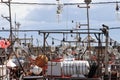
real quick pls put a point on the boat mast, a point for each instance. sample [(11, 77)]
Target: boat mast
[(87, 2), (8, 3)]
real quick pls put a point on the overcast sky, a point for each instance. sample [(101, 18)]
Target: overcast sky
[(44, 16)]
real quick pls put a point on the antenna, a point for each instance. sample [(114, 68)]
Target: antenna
[(17, 25)]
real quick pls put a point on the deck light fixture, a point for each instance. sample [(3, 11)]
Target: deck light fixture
[(117, 6), (87, 1)]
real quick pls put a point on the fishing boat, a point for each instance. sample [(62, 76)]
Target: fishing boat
[(83, 54)]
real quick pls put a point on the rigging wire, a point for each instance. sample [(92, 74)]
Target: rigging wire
[(114, 28), (58, 30), (33, 3)]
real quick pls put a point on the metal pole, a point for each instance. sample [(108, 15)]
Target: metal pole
[(106, 59), (10, 20), (8, 3), (44, 39), (106, 54), (88, 20), (87, 3), (99, 56), (88, 31), (25, 39)]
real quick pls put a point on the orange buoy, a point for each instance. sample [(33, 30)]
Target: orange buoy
[(41, 60)]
